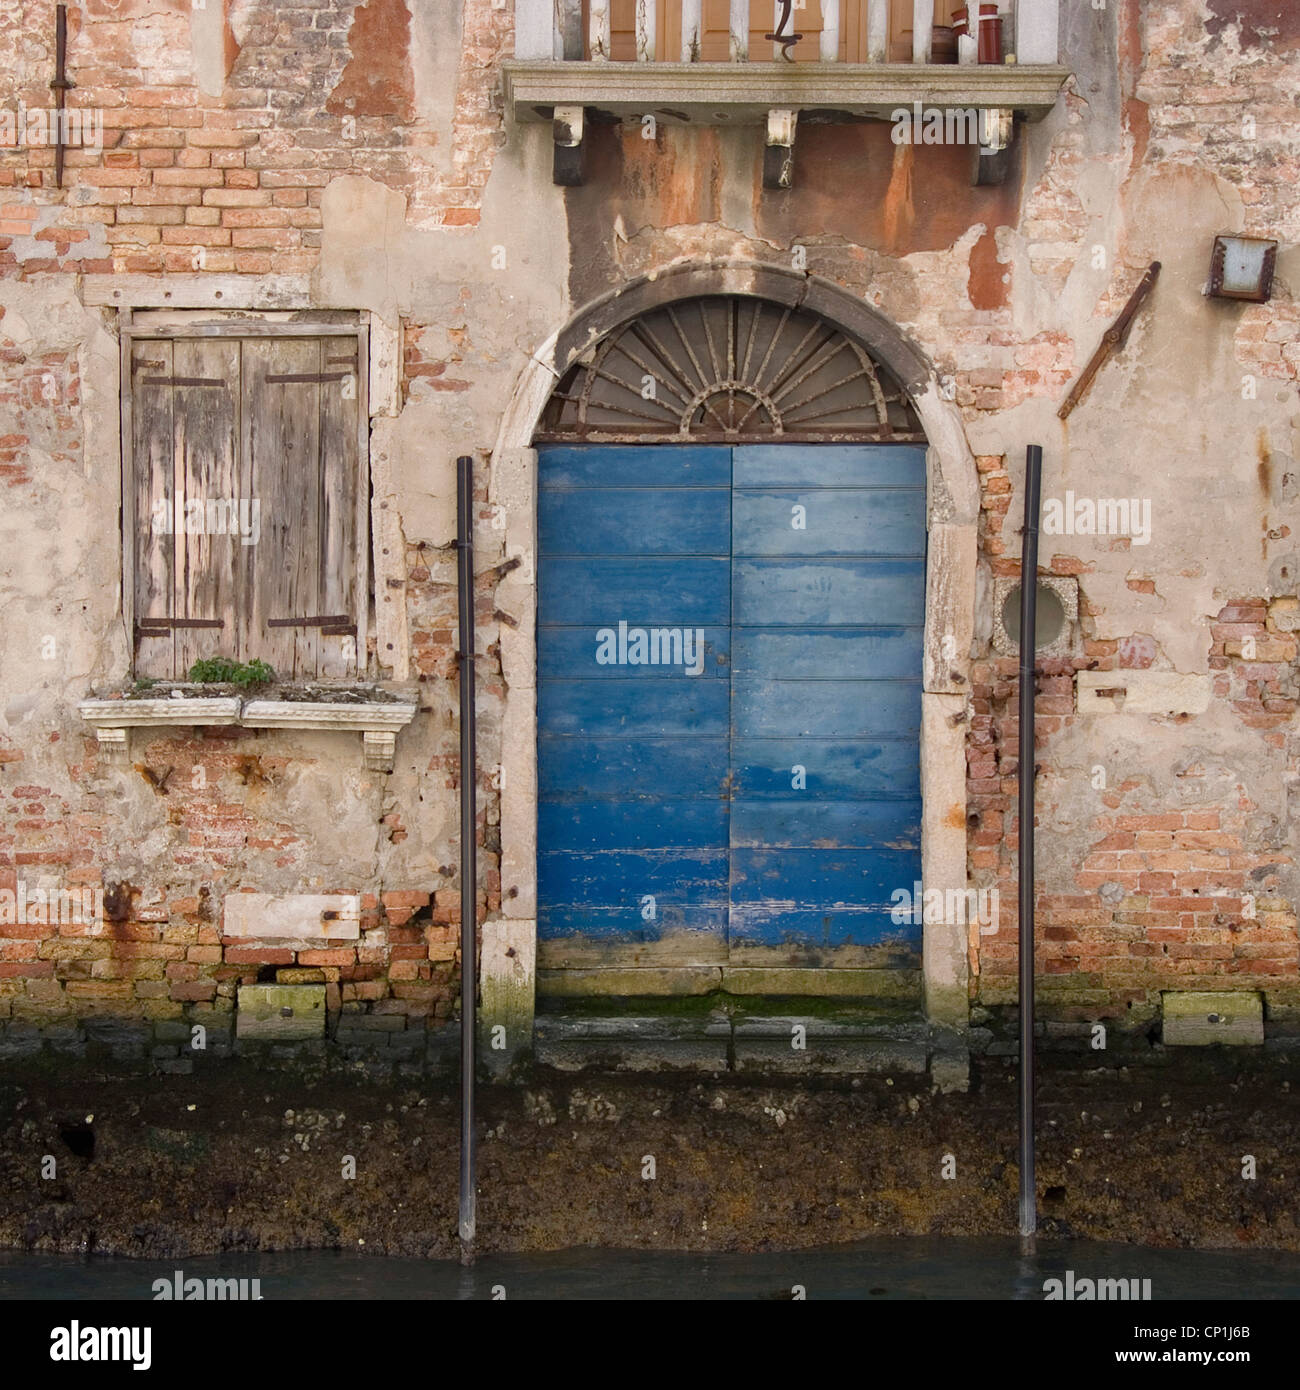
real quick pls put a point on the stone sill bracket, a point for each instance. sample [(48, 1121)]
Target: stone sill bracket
[(778, 152), (378, 723)]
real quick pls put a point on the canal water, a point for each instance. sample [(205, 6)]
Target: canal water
[(883, 1270)]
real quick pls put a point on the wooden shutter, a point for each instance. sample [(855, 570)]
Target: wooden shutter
[(184, 460), (344, 504), (301, 399), (229, 424), (150, 553)]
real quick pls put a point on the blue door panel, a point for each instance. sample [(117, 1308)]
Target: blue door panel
[(651, 590), (666, 521), (639, 709), (565, 653), (835, 654), (685, 878), (825, 717), (825, 709), (833, 769), (828, 465), (827, 521), (620, 768), (633, 896), (772, 924), (666, 465), (620, 925), (808, 824), (816, 592), (838, 897), (633, 825), (810, 878)]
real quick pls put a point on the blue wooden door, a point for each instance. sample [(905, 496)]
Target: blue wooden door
[(634, 619), (729, 658), (828, 602)]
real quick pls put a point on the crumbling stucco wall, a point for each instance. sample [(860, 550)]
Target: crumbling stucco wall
[(357, 157)]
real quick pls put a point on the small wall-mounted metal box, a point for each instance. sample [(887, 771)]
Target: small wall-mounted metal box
[(1241, 267)]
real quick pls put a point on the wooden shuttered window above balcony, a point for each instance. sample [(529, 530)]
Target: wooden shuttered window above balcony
[(248, 520), (806, 21)]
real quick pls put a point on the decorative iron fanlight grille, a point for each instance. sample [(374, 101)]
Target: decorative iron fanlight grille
[(728, 369)]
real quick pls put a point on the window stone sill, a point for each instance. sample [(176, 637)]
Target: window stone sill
[(377, 722)]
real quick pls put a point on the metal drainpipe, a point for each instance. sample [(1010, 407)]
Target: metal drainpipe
[(1028, 624), (468, 851)]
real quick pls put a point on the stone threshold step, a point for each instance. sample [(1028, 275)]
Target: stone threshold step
[(787, 1045)]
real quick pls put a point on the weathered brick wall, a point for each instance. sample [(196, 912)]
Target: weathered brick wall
[(39, 401), (330, 114), (189, 183), (232, 183), (1166, 897)]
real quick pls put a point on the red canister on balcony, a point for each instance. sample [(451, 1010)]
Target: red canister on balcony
[(990, 34)]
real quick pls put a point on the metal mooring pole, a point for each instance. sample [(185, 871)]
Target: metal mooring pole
[(1028, 623), (468, 848)]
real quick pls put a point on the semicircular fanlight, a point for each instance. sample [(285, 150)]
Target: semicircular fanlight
[(730, 369)]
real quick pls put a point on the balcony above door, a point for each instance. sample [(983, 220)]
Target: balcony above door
[(722, 62)]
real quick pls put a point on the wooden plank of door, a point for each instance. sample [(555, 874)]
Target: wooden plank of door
[(633, 698), (151, 556), (853, 31), (827, 584), (207, 486), (669, 31)]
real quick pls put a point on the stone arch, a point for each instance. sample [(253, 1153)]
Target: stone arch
[(952, 523), (883, 339)]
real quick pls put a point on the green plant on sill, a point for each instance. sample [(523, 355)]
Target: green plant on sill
[(221, 670)]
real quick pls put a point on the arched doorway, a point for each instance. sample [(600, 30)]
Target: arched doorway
[(855, 388), (731, 582)]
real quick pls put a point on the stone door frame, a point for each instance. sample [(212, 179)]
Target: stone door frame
[(509, 949)]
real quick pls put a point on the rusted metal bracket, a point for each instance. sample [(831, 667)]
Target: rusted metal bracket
[(162, 627), (306, 378), (568, 128), (183, 381), (1113, 339), (61, 86), (332, 625), (778, 154)]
